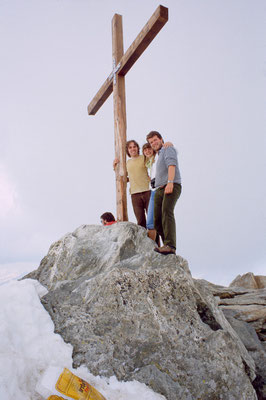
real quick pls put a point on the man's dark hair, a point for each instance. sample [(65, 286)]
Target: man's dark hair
[(153, 133), (107, 216), (128, 143)]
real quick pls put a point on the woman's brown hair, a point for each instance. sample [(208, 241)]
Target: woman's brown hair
[(128, 143), (146, 146)]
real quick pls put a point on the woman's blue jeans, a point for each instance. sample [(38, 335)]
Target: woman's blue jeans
[(150, 224)]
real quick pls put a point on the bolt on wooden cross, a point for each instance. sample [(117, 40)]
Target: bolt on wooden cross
[(116, 83)]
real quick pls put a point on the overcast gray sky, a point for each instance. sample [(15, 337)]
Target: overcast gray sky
[(201, 83)]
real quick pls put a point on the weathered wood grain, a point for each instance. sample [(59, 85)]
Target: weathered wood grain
[(142, 41)]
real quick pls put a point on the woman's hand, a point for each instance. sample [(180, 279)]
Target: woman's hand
[(168, 144), (115, 162)]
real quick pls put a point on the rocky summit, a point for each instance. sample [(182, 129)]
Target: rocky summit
[(131, 312)]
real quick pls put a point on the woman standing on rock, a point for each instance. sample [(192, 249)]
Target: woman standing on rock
[(149, 161), (139, 181)]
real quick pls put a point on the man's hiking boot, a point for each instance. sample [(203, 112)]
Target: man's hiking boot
[(165, 250)]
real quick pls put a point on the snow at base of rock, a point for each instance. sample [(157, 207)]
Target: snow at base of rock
[(29, 347)]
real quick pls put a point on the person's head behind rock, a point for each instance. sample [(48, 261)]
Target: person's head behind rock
[(107, 218)]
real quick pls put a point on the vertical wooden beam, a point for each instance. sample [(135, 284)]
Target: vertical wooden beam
[(120, 123)]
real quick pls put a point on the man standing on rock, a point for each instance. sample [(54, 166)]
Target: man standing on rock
[(168, 190)]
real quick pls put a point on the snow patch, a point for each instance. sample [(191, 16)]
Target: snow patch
[(31, 354)]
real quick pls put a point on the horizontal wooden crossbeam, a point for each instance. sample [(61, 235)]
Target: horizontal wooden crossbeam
[(142, 41)]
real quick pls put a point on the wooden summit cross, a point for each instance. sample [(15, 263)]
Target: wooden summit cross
[(116, 83)]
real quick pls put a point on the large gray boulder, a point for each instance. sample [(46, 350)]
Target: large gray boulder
[(245, 310), (131, 312)]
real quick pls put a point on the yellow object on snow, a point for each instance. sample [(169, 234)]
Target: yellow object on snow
[(55, 397), (75, 387)]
